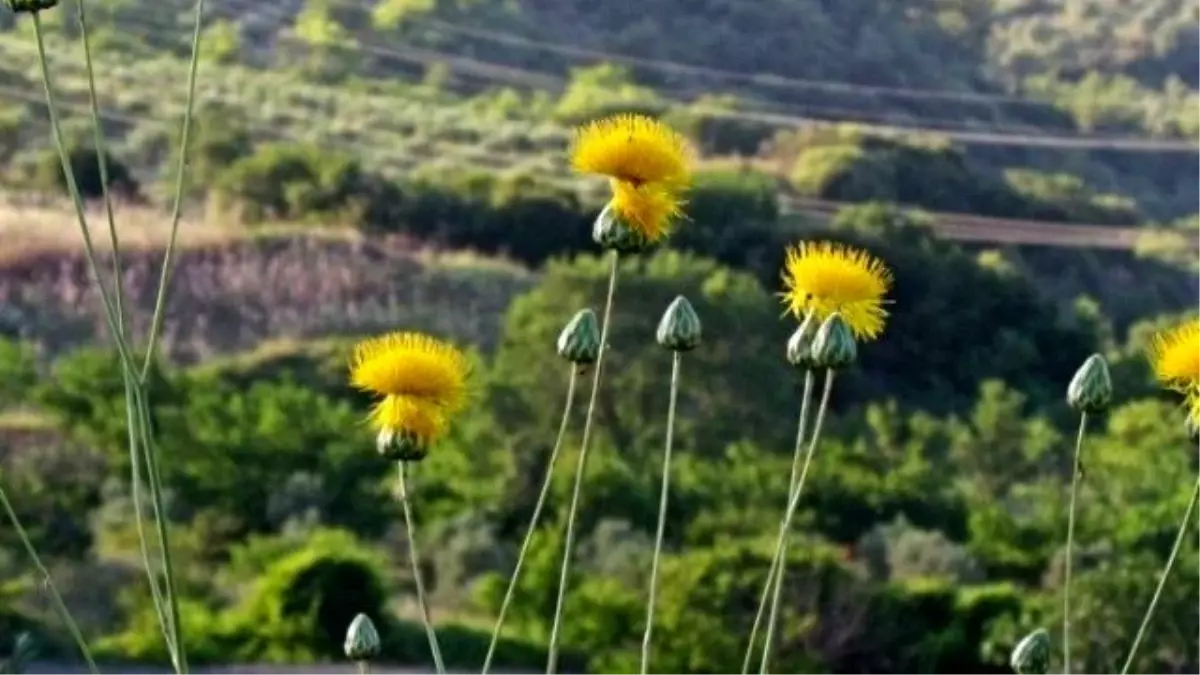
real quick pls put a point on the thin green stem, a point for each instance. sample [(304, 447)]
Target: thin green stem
[(1070, 553), (1162, 579), (581, 466), (135, 483), (150, 451), (797, 458), (102, 161), (414, 558), (364, 667), (48, 582), (76, 199), (647, 636), (533, 520), (160, 299), (780, 561)]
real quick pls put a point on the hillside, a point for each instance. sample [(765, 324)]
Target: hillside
[(1064, 88)]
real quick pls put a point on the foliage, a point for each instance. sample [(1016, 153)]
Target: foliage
[(47, 173)]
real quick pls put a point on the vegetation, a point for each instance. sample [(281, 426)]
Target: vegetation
[(435, 196)]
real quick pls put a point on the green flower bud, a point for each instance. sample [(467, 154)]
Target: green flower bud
[(400, 446), (362, 640), (679, 329), (613, 233), (579, 341), (1090, 390), (834, 346), (1031, 656), (799, 346), (30, 6)]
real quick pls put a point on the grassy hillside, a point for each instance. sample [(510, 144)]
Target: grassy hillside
[(410, 86)]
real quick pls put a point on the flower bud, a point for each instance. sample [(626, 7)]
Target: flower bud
[(679, 329), (799, 346), (400, 446), (834, 346), (613, 233), (30, 6), (579, 341), (362, 640), (1031, 656), (1090, 390)]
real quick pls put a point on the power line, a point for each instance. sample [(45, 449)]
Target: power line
[(952, 226), (760, 79), (955, 226), (883, 125), (965, 227), (886, 126)]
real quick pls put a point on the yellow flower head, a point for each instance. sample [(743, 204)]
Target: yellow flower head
[(826, 277), (419, 419), (648, 209), (1175, 355), (412, 365), (633, 148)]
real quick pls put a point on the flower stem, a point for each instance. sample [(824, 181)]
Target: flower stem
[(135, 486), (676, 358), (414, 558), (797, 457), (102, 162), (89, 249), (780, 562), (48, 582), (160, 299), (581, 465), (1070, 554), (1162, 579), (533, 520), (161, 521)]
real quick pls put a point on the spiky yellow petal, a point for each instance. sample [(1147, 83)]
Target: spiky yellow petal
[(827, 277), (633, 148), (648, 208), (422, 420), (412, 365), (1175, 356)]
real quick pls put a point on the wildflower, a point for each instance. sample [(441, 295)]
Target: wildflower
[(1091, 388), (1175, 355), (833, 346), (826, 277), (411, 366), (407, 427), (799, 345), (362, 639), (679, 330), (579, 341), (1032, 654), (646, 209), (30, 6), (635, 149)]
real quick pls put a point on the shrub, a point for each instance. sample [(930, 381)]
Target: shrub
[(47, 171), (286, 181)]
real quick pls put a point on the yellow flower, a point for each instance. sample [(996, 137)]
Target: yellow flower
[(647, 209), (633, 148), (826, 277), (420, 420), (412, 365), (1175, 355)]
